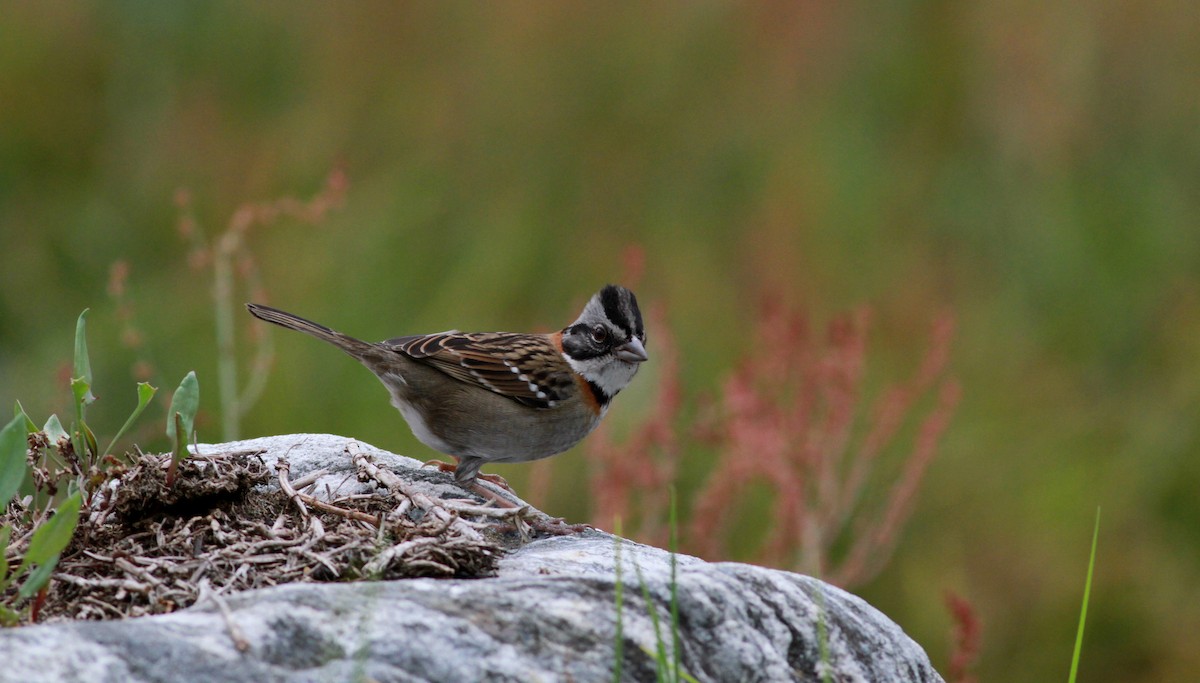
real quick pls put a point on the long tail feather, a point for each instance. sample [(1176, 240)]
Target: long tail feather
[(352, 346)]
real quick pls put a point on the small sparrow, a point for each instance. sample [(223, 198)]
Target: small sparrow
[(502, 396)]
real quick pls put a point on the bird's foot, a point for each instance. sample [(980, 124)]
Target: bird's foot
[(441, 465), (497, 480), (490, 496), (557, 526)]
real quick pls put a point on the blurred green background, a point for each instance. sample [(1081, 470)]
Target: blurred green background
[(1033, 167)]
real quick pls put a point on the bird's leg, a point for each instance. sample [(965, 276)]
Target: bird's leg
[(443, 466), (466, 475)]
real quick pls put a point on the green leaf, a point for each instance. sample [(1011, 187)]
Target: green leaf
[(54, 430), (52, 537), (38, 578), (19, 411), (185, 402), (82, 438), (5, 537), (619, 597), (90, 436), (145, 394), (13, 448), (179, 451), (81, 391), (83, 366), (1087, 593)]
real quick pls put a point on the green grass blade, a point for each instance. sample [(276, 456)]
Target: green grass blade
[(13, 447), (674, 542), (823, 637), (5, 537), (1087, 592), (662, 671), (619, 591), (145, 394)]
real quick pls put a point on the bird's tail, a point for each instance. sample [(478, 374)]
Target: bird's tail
[(355, 347)]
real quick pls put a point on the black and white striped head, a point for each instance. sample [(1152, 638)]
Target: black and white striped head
[(608, 342)]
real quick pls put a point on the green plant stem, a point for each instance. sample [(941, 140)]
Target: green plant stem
[(1087, 592), (619, 639), (675, 655), (823, 637), (226, 340)]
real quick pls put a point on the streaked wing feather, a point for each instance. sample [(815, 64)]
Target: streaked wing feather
[(524, 367)]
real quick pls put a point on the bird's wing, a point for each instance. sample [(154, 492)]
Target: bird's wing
[(527, 368)]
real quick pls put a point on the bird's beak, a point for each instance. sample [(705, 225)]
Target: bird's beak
[(632, 351)]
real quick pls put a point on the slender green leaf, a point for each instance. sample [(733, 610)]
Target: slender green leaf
[(660, 654), (9, 617), (83, 439), (180, 453), (19, 411), (674, 542), (53, 536), (54, 429), (1087, 592), (91, 438), (619, 590), (5, 537), (38, 578), (822, 636), (13, 448), (83, 365), (185, 402), (145, 394)]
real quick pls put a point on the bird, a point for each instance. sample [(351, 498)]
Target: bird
[(505, 397)]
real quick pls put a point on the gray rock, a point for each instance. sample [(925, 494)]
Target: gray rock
[(548, 616)]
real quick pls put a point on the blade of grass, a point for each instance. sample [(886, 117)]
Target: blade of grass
[(5, 537), (662, 670), (619, 590), (823, 637), (1087, 592), (674, 542)]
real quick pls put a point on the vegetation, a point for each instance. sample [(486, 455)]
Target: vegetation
[(65, 468), (1029, 168)]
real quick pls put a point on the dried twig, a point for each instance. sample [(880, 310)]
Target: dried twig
[(157, 550)]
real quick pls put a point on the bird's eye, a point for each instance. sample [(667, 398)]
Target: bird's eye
[(599, 334)]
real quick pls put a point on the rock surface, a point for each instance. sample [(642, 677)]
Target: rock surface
[(549, 615)]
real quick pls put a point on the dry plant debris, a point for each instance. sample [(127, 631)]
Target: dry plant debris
[(149, 549)]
